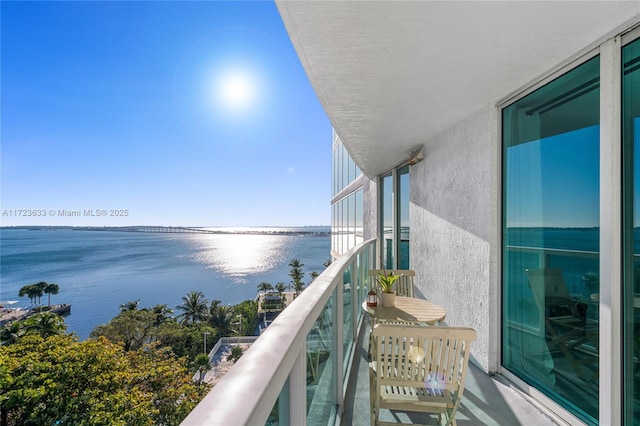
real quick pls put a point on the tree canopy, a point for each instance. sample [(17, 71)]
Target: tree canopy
[(61, 380)]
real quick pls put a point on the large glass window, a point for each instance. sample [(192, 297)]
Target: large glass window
[(403, 217), (631, 291), (394, 219), (551, 239), (386, 221), (359, 217), (346, 222)]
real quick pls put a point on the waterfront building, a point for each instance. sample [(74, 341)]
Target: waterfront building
[(347, 183), (492, 147)]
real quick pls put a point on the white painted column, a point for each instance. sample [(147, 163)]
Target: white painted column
[(298, 390), (610, 234)]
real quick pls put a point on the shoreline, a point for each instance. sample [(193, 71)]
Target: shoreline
[(7, 315), (267, 230)]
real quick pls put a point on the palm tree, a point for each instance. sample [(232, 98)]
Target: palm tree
[(10, 333), (39, 289), (313, 275), (203, 365), (25, 290), (131, 305), (45, 324), (280, 287), (296, 275), (327, 263), (221, 317), (264, 287), (31, 291), (298, 286), (295, 263), (51, 288), (162, 314), (194, 308)]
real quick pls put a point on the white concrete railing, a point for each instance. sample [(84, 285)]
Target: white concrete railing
[(275, 366)]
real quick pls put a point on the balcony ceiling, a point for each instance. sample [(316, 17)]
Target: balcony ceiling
[(393, 74)]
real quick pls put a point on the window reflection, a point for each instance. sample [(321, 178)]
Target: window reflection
[(386, 221), (631, 299), (551, 239)]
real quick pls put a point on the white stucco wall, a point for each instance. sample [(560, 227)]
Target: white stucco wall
[(370, 213), (453, 215)]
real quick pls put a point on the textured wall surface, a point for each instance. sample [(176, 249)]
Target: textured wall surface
[(454, 228), (370, 213)]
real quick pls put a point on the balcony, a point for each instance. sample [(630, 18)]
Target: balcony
[(310, 366)]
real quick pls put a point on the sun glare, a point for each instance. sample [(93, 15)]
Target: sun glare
[(236, 90)]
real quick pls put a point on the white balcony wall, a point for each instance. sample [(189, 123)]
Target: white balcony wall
[(370, 212), (454, 227)]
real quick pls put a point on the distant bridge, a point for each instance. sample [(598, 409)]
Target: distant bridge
[(163, 229), (187, 230)]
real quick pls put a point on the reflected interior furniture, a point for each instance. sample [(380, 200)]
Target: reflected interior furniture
[(318, 347), (319, 344), (418, 369), (404, 284), (566, 328)]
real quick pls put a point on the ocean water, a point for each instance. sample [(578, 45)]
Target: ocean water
[(573, 250), (97, 271)]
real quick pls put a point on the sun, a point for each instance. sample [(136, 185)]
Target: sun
[(236, 90)]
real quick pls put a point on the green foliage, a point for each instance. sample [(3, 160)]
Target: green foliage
[(162, 314), (296, 275), (249, 312), (264, 287), (185, 340), (221, 317), (202, 365), (386, 281), (35, 291), (131, 328), (44, 324), (194, 308), (51, 288), (131, 305), (59, 379), (236, 353), (10, 333)]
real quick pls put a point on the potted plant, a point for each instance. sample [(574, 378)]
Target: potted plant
[(386, 283)]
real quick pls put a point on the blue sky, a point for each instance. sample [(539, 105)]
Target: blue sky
[(181, 113), (554, 181)]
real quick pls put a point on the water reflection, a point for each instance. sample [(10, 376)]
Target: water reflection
[(239, 255)]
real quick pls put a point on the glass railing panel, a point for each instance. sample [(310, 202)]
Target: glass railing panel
[(299, 355), (347, 314), (320, 361), (274, 417)]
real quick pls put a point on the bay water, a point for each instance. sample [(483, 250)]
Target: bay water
[(97, 271)]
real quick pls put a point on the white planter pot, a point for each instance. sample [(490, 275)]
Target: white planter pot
[(388, 299)]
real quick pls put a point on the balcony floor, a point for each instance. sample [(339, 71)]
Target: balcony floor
[(488, 400)]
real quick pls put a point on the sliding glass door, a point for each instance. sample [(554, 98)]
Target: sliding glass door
[(394, 218), (631, 203), (551, 239)]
